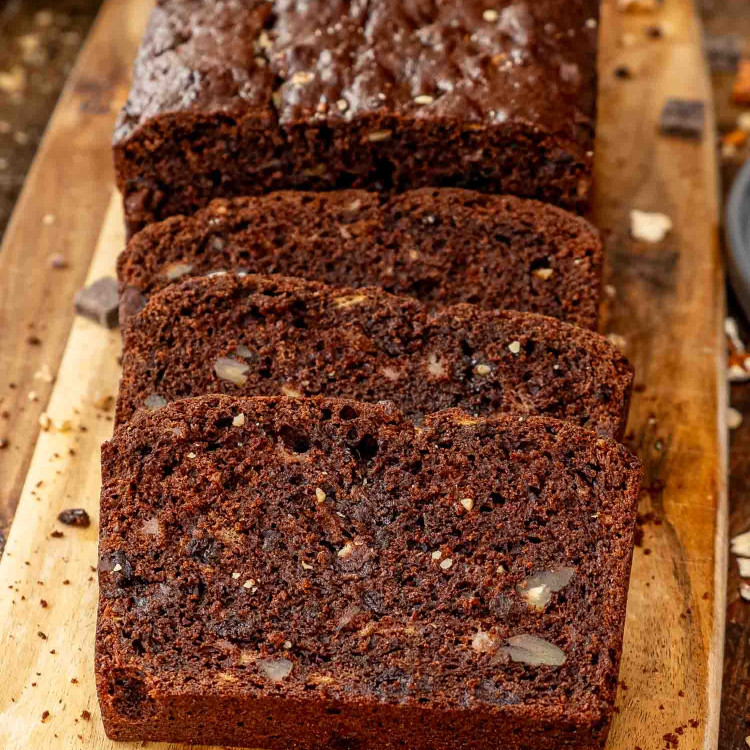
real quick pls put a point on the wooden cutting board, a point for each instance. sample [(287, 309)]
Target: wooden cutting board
[(665, 303)]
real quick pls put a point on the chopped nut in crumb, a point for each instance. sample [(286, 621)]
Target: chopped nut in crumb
[(320, 495), (231, 370), (482, 370), (543, 273), (514, 347), (346, 550), (301, 77), (532, 650), (437, 554), (447, 564), (155, 401), (178, 270), (379, 135), (239, 420), (435, 366), (468, 503), (483, 642), (349, 300)]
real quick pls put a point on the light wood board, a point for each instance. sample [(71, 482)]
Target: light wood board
[(668, 307)]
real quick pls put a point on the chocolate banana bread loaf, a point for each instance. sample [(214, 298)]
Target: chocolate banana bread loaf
[(272, 335), (441, 246), (294, 573), (250, 96)]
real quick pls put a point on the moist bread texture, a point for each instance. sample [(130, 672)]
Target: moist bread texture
[(295, 573), (440, 246), (250, 96), (273, 335)]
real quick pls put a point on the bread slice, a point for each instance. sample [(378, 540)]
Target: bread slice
[(320, 573), (271, 335), (440, 246)]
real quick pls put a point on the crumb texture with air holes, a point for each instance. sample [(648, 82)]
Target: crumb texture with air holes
[(441, 246), (272, 335), (316, 571)]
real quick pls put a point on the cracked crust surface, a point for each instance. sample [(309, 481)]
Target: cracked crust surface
[(346, 93)]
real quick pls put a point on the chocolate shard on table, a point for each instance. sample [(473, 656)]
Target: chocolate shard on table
[(317, 573), (683, 117), (441, 246), (271, 335), (100, 302), (249, 97)]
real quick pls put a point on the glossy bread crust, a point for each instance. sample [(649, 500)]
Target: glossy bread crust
[(240, 97)]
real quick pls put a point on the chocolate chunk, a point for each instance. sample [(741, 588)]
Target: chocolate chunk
[(100, 302), (723, 52), (75, 517), (131, 303), (683, 117)]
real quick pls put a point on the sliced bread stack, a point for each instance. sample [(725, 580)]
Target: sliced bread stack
[(364, 489)]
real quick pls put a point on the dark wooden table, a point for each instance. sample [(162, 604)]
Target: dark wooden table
[(39, 42)]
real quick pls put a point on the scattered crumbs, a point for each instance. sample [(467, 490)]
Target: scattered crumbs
[(45, 716), (33, 340), (66, 582), (681, 693), (75, 517), (646, 551), (73, 680), (41, 635), (623, 72), (86, 715), (43, 603), (57, 261), (654, 32)]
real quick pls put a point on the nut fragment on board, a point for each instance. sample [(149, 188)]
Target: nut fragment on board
[(649, 226)]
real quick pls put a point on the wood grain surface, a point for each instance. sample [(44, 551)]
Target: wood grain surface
[(668, 307), (60, 211)]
